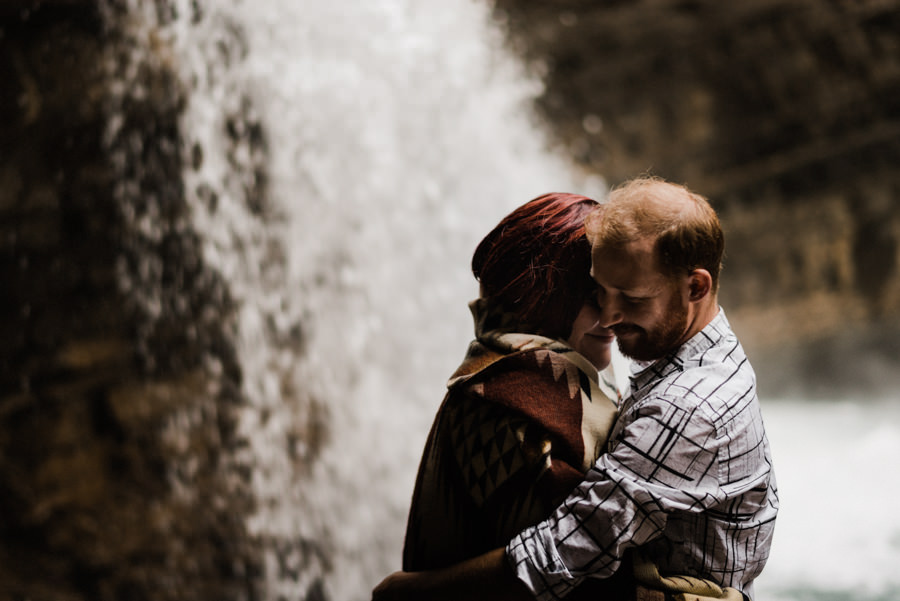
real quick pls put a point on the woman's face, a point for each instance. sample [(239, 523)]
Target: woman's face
[(590, 338)]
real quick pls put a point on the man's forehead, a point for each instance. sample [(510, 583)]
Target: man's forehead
[(629, 268), (634, 252), (635, 246)]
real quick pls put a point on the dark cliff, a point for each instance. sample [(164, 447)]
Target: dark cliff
[(786, 114), (107, 411)]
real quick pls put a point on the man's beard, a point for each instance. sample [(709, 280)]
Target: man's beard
[(655, 344)]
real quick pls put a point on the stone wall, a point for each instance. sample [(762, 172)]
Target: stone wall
[(786, 113), (118, 384)]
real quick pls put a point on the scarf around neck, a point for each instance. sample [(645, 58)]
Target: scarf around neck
[(523, 418), (497, 341)]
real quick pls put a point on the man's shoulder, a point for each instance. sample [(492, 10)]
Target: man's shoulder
[(716, 341), (714, 354), (708, 381)]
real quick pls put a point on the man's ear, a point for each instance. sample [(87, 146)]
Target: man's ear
[(700, 284)]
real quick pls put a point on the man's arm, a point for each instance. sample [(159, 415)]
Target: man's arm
[(487, 577)]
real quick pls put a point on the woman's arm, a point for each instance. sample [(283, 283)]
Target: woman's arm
[(486, 577)]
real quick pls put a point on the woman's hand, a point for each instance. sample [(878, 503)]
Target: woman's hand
[(483, 578), (396, 587)]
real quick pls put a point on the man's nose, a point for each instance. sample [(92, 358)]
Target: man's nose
[(610, 312)]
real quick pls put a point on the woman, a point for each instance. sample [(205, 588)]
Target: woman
[(526, 413)]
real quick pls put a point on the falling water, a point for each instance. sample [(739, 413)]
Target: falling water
[(345, 158)]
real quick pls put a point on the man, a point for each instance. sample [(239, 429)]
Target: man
[(687, 481)]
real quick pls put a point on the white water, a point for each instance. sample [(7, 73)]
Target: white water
[(838, 532), (398, 133)]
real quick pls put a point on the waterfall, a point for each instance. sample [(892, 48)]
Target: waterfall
[(342, 159)]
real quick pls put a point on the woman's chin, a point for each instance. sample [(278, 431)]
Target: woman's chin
[(599, 358)]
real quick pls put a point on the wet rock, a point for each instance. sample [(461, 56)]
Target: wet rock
[(784, 113), (117, 380)]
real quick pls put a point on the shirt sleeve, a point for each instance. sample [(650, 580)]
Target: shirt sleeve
[(663, 458)]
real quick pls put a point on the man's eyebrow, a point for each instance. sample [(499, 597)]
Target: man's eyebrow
[(646, 292)]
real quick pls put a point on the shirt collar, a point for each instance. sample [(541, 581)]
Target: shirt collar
[(643, 372)]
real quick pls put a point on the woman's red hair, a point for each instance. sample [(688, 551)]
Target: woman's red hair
[(536, 264)]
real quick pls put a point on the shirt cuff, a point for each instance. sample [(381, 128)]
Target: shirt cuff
[(533, 559)]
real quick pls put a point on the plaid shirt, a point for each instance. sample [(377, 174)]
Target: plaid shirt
[(687, 477)]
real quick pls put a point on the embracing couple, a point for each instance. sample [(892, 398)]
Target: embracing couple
[(539, 478)]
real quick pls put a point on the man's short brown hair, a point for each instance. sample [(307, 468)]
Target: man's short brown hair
[(685, 227)]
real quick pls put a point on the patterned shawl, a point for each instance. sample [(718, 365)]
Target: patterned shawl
[(523, 418)]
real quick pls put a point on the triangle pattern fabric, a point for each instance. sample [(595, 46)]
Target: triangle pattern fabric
[(486, 441)]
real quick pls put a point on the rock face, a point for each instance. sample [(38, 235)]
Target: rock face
[(786, 114), (117, 478)]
